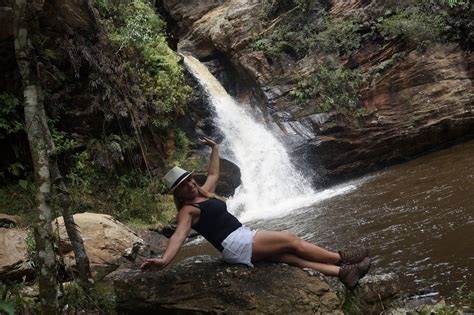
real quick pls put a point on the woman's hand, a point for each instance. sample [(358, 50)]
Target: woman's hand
[(153, 264), (213, 168), (207, 141)]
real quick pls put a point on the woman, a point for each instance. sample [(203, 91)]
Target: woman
[(201, 209)]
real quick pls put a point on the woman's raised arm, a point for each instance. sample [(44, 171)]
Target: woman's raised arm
[(213, 169)]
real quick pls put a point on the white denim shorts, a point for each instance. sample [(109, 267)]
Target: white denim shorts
[(238, 246)]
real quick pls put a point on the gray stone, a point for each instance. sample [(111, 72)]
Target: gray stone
[(205, 284)]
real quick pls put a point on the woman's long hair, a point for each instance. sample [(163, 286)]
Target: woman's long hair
[(179, 203)]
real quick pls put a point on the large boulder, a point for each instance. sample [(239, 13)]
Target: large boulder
[(205, 284), (229, 178), (108, 243), (14, 261)]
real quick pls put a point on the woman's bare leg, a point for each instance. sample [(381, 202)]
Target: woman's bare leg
[(290, 259), (270, 243)]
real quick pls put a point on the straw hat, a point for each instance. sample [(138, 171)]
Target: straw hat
[(175, 177)]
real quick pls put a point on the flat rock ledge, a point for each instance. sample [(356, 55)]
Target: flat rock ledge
[(207, 285)]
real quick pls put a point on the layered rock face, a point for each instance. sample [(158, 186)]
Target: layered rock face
[(421, 102)]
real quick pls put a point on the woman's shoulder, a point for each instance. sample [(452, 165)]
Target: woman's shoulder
[(188, 210), (195, 204)]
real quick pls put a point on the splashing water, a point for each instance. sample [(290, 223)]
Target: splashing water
[(271, 186)]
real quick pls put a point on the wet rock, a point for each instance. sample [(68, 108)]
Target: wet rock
[(14, 261), (229, 178), (157, 241), (204, 284), (378, 288), (108, 243)]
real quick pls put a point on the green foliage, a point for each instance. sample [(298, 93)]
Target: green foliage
[(18, 199), (272, 8), (303, 27), (50, 54), (182, 144), (62, 141), (141, 198), (31, 248), (13, 301), (133, 196), (81, 178), (422, 22), (413, 24), (331, 88), (459, 24), (138, 32), (7, 308), (74, 299), (455, 3), (10, 115), (464, 298), (341, 35), (293, 33), (352, 304), (109, 151)]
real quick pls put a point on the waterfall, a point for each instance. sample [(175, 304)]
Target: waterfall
[(271, 185)]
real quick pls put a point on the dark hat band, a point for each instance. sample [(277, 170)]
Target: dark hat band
[(178, 181)]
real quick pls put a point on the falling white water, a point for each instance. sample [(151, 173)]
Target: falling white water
[(271, 186)]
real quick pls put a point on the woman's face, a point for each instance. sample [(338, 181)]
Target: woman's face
[(187, 190)]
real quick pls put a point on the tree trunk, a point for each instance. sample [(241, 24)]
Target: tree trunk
[(82, 261), (43, 140), (46, 169), (36, 126)]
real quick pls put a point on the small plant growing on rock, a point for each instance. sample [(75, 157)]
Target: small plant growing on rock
[(331, 88)]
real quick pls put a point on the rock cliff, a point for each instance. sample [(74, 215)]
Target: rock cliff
[(413, 104)]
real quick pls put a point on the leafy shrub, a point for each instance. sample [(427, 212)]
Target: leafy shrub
[(62, 141), (142, 197), (331, 88), (12, 301), (310, 29), (455, 3), (413, 24), (341, 35), (293, 33), (420, 22), (11, 120)]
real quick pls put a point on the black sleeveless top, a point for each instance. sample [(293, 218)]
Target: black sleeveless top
[(215, 222)]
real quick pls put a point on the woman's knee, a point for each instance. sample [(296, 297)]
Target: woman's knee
[(294, 243), (276, 243)]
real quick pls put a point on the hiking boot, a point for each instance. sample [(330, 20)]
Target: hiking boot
[(351, 274), (352, 256)]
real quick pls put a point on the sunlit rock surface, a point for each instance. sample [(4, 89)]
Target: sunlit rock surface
[(108, 243)]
